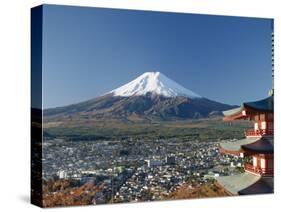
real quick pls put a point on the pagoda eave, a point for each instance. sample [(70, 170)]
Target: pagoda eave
[(234, 117), (261, 146), (236, 183), (263, 186), (234, 147), (249, 109)]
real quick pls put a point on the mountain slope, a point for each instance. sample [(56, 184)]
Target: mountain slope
[(152, 96)]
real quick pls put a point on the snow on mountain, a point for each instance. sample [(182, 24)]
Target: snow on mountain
[(153, 82)]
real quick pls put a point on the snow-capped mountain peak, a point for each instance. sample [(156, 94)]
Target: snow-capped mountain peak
[(156, 83)]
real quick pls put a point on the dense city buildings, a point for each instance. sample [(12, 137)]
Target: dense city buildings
[(133, 170)]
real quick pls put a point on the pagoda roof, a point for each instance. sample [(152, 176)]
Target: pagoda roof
[(264, 105), (232, 111), (262, 186), (234, 147), (264, 145), (261, 105), (235, 183)]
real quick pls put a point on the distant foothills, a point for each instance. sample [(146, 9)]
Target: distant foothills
[(150, 97)]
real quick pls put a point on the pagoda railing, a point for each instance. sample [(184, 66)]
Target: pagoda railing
[(259, 132), (258, 170)]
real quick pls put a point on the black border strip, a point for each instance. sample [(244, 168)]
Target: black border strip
[(36, 105)]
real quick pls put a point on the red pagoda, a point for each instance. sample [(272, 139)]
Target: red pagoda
[(257, 147)]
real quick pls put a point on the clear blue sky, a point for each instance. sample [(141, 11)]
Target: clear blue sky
[(90, 51)]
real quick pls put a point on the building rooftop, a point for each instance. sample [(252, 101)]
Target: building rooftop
[(262, 186), (234, 147), (263, 105), (263, 145), (236, 183)]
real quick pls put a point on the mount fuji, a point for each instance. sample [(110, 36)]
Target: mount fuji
[(150, 97), (155, 83)]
